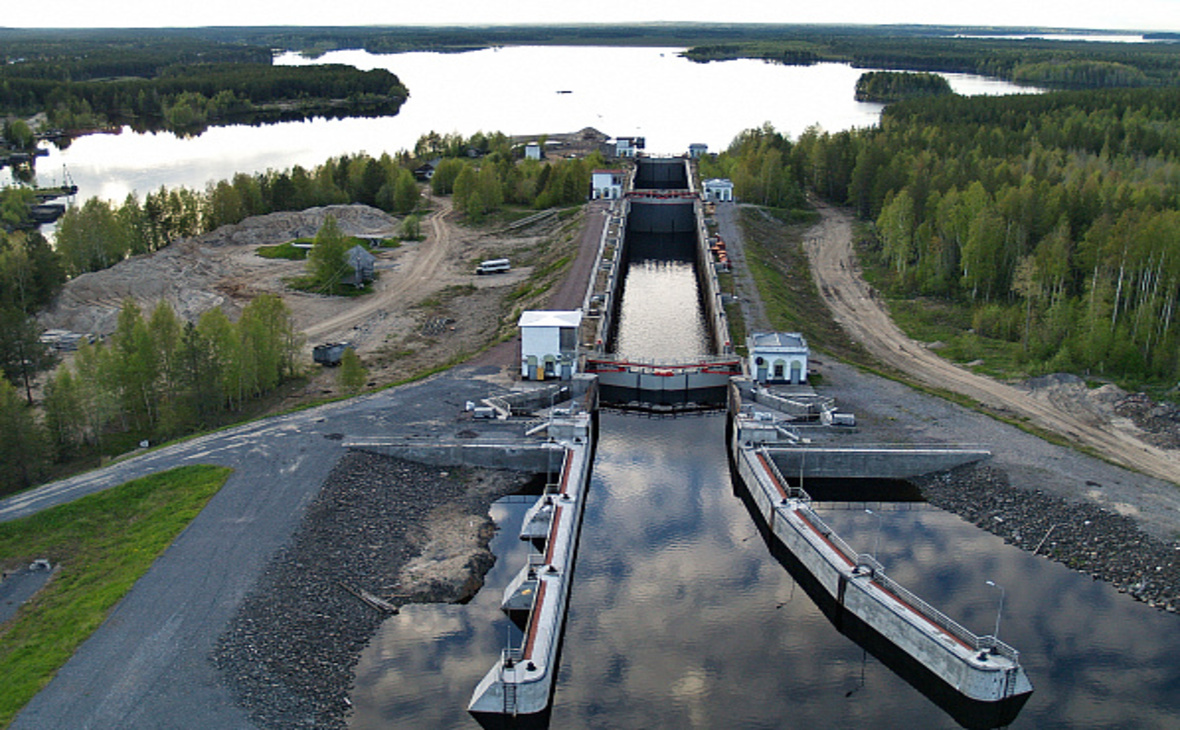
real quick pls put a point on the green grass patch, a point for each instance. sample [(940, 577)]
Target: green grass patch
[(103, 542), (947, 325), (779, 266), (291, 252), (282, 251), (310, 285)]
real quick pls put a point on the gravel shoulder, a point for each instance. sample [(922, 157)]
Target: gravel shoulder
[(382, 532)]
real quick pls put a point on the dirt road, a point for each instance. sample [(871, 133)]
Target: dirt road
[(858, 308), (418, 279)]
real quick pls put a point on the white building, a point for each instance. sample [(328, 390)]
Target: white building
[(606, 184), (719, 190), (532, 151), (697, 150), (629, 146), (549, 344), (778, 357)]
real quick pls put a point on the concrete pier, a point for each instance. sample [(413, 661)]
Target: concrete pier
[(981, 668), (521, 682)]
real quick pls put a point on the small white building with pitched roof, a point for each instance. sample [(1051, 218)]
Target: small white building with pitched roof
[(549, 344), (777, 357), (719, 190)]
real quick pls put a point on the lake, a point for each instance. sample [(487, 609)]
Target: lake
[(649, 92)]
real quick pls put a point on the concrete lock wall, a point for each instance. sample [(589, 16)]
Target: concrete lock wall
[(871, 462), (661, 174)]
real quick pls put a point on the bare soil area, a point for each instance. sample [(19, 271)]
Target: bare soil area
[(1060, 405), (426, 306)]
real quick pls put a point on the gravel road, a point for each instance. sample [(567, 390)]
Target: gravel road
[(856, 306)]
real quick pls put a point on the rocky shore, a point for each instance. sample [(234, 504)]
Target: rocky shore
[(381, 533), (1081, 535)]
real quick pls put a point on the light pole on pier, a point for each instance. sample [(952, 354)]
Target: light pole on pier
[(1000, 610), (877, 534)]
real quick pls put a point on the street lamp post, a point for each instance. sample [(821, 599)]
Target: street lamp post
[(877, 534), (1000, 610)]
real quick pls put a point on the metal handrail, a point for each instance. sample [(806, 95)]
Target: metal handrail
[(793, 492), (878, 575), (695, 361), (896, 446)]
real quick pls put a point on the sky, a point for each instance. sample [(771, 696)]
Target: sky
[(1091, 14)]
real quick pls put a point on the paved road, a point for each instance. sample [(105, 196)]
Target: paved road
[(147, 666)]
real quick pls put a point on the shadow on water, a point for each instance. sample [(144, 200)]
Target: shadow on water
[(862, 490), (968, 713)]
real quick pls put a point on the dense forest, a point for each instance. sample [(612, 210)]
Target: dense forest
[(1053, 219), (175, 81), (890, 86), (1046, 63)]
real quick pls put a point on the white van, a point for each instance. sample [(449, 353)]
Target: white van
[(493, 266)]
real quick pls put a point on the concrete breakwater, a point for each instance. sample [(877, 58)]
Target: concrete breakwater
[(981, 668), (521, 682)]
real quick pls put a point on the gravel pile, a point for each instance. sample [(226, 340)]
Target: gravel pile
[(1087, 538), (276, 228), (288, 655), (1161, 421)]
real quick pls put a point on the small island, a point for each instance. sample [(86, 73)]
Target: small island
[(890, 86)]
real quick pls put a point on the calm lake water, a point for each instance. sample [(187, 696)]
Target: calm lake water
[(649, 92), (680, 616)]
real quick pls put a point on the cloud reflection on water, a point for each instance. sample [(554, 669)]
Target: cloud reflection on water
[(675, 617)]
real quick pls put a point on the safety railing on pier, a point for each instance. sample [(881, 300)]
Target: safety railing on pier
[(719, 363), (792, 491), (878, 575)]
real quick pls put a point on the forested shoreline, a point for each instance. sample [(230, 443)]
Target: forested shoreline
[(890, 86), (1050, 64), (1051, 221), (177, 82)]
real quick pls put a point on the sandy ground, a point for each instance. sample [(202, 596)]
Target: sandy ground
[(427, 305), (1061, 408)]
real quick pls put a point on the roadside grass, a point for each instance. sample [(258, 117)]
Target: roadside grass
[(948, 326), (733, 314), (103, 543)]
